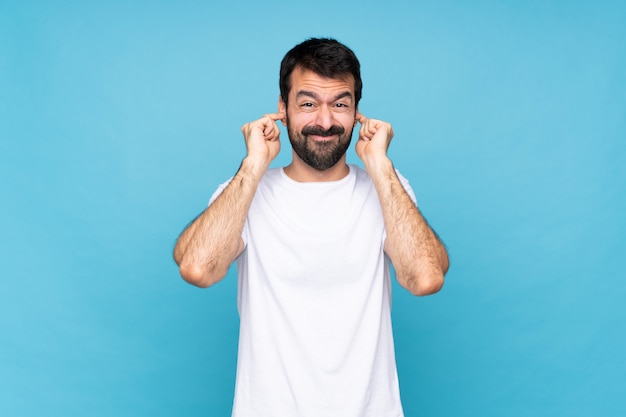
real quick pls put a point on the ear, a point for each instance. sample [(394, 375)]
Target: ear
[(282, 108)]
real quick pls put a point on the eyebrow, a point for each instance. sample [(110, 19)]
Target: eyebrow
[(305, 93)]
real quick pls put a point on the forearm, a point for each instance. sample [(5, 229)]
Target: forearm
[(419, 258), (206, 249)]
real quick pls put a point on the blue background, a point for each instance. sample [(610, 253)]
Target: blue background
[(119, 119)]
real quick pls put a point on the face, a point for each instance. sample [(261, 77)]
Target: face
[(320, 117)]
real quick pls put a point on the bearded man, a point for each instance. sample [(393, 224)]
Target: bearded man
[(313, 242)]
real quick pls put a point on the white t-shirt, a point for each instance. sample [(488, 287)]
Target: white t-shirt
[(314, 302)]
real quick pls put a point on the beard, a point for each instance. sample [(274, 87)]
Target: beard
[(319, 155)]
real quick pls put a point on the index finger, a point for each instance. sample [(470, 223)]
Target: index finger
[(276, 116), (360, 118)]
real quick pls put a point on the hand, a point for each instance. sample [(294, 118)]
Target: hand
[(374, 138), (263, 138)]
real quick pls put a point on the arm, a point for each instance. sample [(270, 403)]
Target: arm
[(208, 246), (418, 256)]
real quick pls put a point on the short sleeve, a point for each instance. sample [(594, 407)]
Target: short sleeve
[(407, 187), (220, 190)]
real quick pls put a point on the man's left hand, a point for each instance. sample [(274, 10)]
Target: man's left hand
[(374, 138)]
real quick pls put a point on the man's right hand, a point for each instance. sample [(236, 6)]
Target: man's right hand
[(263, 138), (208, 246)]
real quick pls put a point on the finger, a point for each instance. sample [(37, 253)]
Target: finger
[(373, 126), (273, 117), (276, 116), (360, 118), (368, 128), (364, 130), (270, 129), (269, 126)]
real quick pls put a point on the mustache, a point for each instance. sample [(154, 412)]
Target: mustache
[(320, 131)]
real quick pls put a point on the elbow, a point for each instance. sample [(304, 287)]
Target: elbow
[(424, 283), (199, 275)]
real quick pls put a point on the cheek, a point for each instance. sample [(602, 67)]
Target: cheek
[(300, 119), (348, 121)]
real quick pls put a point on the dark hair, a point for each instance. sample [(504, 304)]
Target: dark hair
[(325, 57)]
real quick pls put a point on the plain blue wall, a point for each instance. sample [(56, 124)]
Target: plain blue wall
[(118, 120)]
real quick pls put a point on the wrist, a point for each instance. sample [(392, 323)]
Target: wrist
[(376, 164), (255, 167)]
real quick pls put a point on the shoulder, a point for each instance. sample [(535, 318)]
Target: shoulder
[(407, 187), (360, 175), (362, 178), (273, 174), (402, 178)]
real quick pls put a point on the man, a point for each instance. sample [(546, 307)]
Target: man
[(312, 242)]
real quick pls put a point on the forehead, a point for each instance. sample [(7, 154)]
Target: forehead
[(303, 79)]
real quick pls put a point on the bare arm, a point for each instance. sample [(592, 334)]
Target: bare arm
[(417, 254), (208, 246)]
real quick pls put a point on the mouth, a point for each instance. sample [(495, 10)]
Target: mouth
[(324, 138), (321, 135)]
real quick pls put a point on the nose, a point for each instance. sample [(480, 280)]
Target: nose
[(324, 117)]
